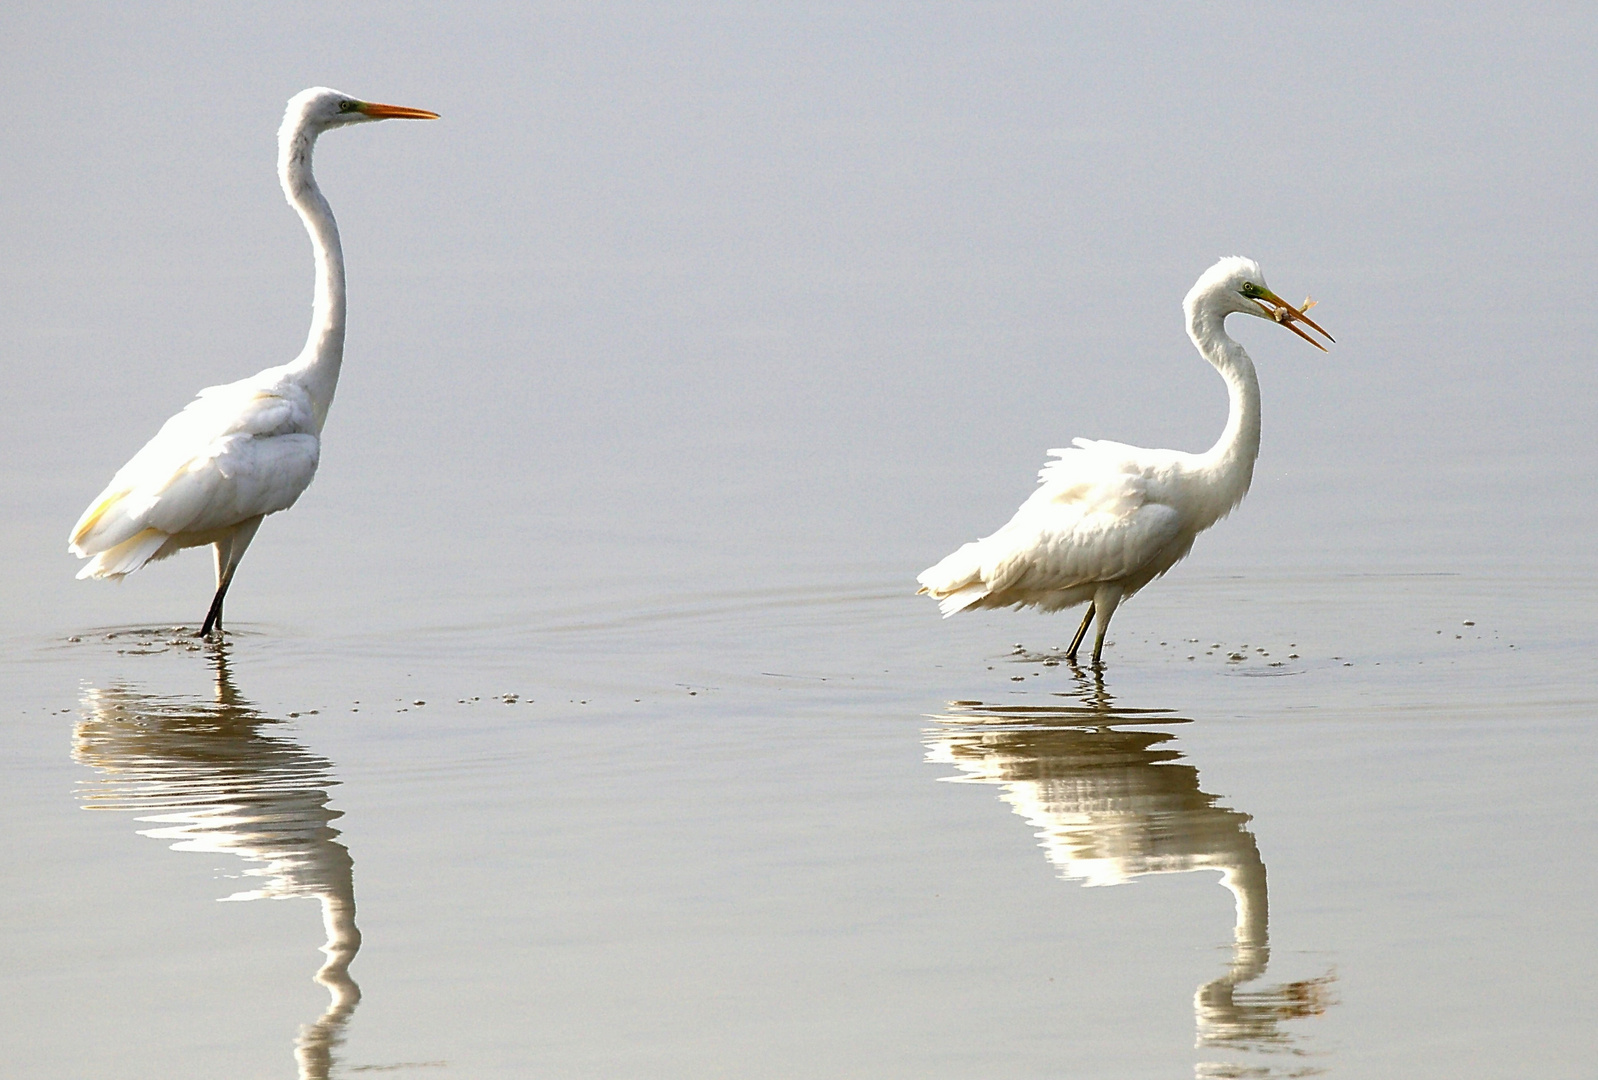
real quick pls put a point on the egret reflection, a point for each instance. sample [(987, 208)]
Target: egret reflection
[(220, 776), (1111, 803)]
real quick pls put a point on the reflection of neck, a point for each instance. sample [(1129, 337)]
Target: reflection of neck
[(343, 942), (314, 1048), (1221, 1019), (1246, 882)]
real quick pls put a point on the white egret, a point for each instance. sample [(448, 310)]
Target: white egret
[(1109, 518), (247, 449)]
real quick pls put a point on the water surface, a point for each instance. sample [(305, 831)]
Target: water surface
[(782, 847)]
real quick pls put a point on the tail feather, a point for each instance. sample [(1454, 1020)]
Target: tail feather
[(961, 599), (126, 557), (115, 518), (956, 582), (91, 518)]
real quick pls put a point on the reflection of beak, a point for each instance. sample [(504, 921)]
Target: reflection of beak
[(394, 112), (1290, 316)]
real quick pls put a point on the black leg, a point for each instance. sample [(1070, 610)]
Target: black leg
[(213, 618), (1081, 632)]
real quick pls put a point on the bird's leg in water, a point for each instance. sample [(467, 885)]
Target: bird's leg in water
[(227, 552), (1081, 632), (213, 618), (1105, 603), (222, 550)]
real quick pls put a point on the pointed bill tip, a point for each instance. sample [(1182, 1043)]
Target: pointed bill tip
[(1293, 326)]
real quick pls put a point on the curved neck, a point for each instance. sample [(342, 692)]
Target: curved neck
[(318, 364), (1230, 462)]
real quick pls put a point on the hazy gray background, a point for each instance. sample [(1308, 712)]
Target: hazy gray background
[(676, 348), (711, 293)]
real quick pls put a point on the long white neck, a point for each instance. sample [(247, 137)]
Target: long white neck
[(1228, 466), (318, 365)]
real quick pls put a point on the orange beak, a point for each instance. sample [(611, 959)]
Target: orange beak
[(394, 112), (1290, 316)]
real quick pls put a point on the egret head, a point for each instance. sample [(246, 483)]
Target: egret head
[(320, 108), (1236, 284)]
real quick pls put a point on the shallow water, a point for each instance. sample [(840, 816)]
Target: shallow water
[(573, 849)]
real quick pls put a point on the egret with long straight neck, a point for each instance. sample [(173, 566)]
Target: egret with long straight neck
[(1108, 518), (246, 449)]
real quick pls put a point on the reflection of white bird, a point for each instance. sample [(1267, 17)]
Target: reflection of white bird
[(1111, 805), (247, 449), (1109, 518), (220, 776)]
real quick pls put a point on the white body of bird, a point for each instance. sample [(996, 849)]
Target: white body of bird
[(1108, 518), (246, 449)]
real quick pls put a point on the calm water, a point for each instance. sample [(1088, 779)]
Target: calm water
[(794, 835), (579, 721)]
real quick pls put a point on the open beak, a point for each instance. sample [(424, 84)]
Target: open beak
[(394, 112), (1290, 316)]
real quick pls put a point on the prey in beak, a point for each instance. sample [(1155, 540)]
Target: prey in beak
[(1289, 316)]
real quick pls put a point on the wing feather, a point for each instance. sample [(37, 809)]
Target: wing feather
[(236, 451), (1094, 517)]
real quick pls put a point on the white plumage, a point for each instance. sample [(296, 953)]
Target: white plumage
[(237, 452), (247, 449), (1108, 518)]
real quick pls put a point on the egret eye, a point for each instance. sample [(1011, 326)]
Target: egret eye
[(346, 106)]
